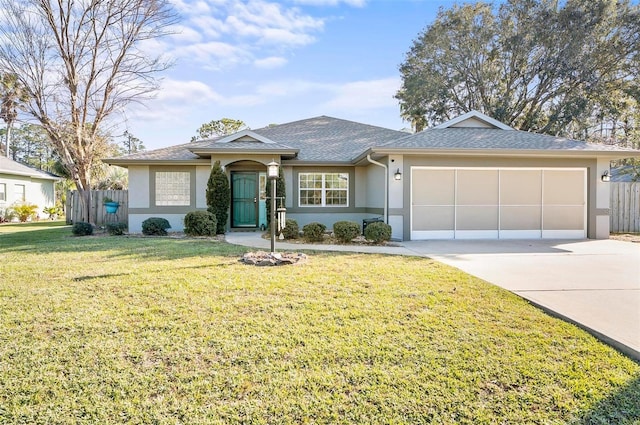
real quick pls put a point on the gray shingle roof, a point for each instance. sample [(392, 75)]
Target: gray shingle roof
[(492, 139), (171, 153), (329, 139), (315, 139), (9, 166), (240, 145)]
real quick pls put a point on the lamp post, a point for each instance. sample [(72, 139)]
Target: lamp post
[(273, 171)]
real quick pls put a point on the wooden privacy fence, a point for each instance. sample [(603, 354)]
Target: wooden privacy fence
[(625, 207), (75, 209)]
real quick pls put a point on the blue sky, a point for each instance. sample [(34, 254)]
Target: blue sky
[(271, 62)]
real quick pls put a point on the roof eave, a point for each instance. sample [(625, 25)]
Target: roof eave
[(31, 175), (312, 163), (538, 153), (127, 162)]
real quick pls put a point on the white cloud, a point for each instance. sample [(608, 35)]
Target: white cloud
[(270, 62), (246, 28), (184, 34), (370, 94), (289, 88), (354, 3), (177, 100)]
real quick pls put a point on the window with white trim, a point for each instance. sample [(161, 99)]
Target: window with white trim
[(323, 189), (3, 192), (173, 188), (20, 193)]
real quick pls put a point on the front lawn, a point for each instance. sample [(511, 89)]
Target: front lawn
[(102, 330)]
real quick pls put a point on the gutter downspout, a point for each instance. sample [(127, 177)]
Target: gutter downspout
[(386, 186)]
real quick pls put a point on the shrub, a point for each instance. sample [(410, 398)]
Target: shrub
[(291, 231), (378, 232), (200, 223), (116, 229), (53, 212), (6, 215), (218, 196), (82, 228), (313, 232), (25, 211), (345, 231), (155, 226)]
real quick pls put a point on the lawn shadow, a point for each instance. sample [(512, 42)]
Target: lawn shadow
[(57, 238), (621, 407)]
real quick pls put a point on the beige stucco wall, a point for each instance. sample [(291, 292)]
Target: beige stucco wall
[(202, 177), (142, 195), (39, 192), (375, 186), (139, 186)]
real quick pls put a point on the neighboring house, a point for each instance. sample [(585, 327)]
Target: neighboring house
[(471, 177), (624, 174), (22, 184)]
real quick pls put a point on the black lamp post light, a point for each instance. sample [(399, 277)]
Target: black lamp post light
[(274, 259), (273, 172)]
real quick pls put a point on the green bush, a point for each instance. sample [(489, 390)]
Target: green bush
[(53, 212), (218, 196), (345, 231), (200, 223), (291, 231), (116, 229), (6, 215), (25, 211), (82, 228), (314, 232), (155, 226), (377, 232)]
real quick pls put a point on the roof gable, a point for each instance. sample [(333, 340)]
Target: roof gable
[(474, 119)]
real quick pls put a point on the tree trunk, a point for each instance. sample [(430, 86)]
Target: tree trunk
[(8, 137)]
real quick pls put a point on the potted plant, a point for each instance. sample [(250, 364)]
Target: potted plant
[(110, 205)]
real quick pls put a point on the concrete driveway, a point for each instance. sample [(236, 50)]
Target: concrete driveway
[(593, 283)]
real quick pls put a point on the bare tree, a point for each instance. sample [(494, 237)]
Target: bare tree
[(80, 61)]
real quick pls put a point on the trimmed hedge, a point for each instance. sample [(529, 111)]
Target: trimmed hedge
[(345, 231), (378, 232), (200, 223), (155, 226), (116, 229), (82, 228), (291, 230), (314, 232)]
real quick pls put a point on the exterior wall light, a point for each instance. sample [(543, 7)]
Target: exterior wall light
[(397, 175), (606, 177)]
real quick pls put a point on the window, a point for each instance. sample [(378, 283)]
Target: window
[(3, 192), (324, 189), (173, 188), (19, 193)]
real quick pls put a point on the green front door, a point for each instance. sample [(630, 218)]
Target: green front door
[(244, 199)]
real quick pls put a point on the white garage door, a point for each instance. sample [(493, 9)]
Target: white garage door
[(492, 203)]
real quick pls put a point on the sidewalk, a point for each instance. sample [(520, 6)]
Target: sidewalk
[(254, 239)]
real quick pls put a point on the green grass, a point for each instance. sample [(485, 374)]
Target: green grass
[(168, 331)]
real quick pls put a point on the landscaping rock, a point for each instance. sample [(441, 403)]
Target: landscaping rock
[(262, 258)]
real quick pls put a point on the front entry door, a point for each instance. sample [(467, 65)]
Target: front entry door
[(244, 199)]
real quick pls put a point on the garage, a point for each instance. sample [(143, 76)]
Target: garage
[(498, 203)]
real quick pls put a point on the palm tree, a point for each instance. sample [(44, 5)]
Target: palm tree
[(12, 95)]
